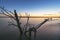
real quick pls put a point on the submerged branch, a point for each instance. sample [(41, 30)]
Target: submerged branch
[(39, 25), (11, 24)]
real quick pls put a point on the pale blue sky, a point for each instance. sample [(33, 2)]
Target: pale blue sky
[(32, 6)]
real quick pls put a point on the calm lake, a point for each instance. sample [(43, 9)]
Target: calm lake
[(48, 31)]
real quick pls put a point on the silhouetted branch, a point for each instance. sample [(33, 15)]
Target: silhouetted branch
[(39, 25), (12, 24), (7, 15), (6, 12), (11, 12), (18, 24), (34, 29), (27, 18)]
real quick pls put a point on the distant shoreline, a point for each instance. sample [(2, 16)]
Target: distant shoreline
[(33, 16)]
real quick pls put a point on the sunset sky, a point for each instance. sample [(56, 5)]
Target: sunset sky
[(34, 7)]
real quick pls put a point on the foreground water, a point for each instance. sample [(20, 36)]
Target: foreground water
[(49, 31)]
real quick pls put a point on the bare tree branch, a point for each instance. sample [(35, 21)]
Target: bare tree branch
[(6, 11), (39, 25), (12, 24)]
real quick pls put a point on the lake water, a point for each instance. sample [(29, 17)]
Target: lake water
[(48, 31)]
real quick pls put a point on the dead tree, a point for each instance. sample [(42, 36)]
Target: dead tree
[(34, 29), (15, 17), (27, 25), (18, 24), (38, 26)]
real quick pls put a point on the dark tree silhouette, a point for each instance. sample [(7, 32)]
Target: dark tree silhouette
[(28, 28), (34, 29), (15, 17), (18, 24)]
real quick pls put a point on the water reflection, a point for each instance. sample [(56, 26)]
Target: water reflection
[(50, 30)]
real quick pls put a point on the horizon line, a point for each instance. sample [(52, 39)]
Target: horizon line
[(33, 17)]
